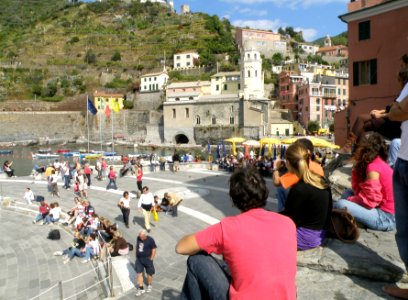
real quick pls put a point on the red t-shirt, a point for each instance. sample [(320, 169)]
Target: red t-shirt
[(260, 250)]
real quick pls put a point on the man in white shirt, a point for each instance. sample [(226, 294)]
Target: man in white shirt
[(145, 204)]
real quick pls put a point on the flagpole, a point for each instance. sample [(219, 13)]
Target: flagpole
[(100, 128), (87, 119), (113, 146)]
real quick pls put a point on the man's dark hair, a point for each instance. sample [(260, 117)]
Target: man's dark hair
[(248, 189)]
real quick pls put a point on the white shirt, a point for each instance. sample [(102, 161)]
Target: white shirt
[(29, 196), (56, 212), (126, 202), (145, 199), (403, 152)]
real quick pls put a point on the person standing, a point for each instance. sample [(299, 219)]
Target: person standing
[(139, 176), (124, 205), (176, 161), (87, 172), (399, 112), (145, 204), (145, 253), (112, 179), (66, 171), (255, 267)]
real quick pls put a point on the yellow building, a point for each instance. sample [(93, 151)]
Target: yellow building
[(113, 100)]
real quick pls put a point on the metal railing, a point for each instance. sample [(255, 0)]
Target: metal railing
[(103, 269)]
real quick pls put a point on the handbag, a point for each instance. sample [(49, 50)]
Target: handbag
[(155, 216), (343, 226)]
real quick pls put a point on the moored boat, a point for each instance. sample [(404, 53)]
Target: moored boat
[(44, 155), (5, 151)]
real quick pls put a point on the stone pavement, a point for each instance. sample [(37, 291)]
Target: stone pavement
[(336, 271)]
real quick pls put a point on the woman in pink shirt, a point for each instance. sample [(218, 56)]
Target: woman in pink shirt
[(371, 200)]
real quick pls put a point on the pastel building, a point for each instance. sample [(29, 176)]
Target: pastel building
[(230, 102), (308, 48), (185, 60), (153, 82), (377, 39), (112, 99), (266, 42), (225, 83)]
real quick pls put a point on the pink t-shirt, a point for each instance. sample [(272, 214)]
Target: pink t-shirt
[(260, 250)]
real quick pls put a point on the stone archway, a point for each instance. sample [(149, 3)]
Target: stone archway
[(181, 139)]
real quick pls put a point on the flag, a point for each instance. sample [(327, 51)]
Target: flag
[(91, 107), (116, 107), (107, 111)]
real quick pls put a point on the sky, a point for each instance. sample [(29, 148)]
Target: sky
[(316, 18)]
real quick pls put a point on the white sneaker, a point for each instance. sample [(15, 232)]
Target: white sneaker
[(85, 261), (58, 253), (139, 292), (67, 261), (149, 289)]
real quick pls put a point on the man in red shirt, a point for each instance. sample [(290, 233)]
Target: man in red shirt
[(258, 246)]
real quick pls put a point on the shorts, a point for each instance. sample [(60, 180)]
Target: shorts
[(144, 263)]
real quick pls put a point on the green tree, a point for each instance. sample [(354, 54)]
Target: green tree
[(90, 57), (313, 126), (277, 59), (116, 56)]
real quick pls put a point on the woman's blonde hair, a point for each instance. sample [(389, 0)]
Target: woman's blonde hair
[(297, 157)]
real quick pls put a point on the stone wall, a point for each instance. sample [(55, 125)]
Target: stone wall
[(133, 125)]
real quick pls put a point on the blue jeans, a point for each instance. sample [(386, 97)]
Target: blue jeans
[(49, 219), (89, 252), (66, 181), (207, 278), (400, 184), (393, 150), (77, 252), (112, 184), (374, 218), (281, 196)]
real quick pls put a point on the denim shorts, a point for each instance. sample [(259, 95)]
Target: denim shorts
[(144, 263)]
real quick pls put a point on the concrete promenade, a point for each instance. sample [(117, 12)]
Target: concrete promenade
[(338, 271)]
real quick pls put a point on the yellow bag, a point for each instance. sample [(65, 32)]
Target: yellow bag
[(155, 216)]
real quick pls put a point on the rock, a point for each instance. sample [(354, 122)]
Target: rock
[(374, 256)]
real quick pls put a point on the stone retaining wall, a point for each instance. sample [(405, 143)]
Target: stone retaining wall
[(68, 125)]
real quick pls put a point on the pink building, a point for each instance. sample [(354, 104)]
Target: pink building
[(319, 99), (339, 50), (377, 39), (288, 82), (266, 42)]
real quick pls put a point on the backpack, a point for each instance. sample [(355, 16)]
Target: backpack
[(54, 235)]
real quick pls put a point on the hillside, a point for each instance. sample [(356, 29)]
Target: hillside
[(61, 49), (340, 39)]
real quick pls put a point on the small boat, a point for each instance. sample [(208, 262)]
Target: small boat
[(109, 153), (72, 154), (44, 151), (113, 157), (44, 155), (63, 151), (90, 155), (6, 151)]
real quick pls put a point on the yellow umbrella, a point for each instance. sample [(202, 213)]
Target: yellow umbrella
[(269, 141), (234, 140), (252, 143), (317, 142), (289, 141)]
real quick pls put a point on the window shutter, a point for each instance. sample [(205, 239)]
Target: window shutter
[(355, 73), (373, 71)]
